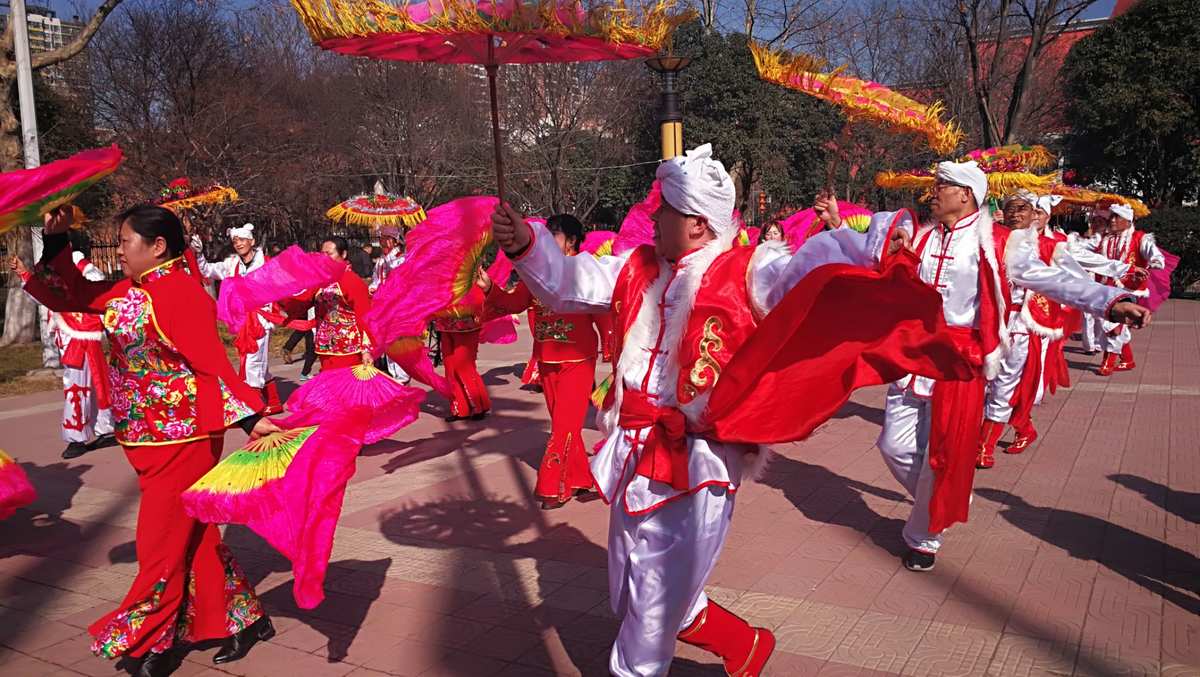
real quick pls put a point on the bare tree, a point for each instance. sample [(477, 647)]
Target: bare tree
[(1004, 42)]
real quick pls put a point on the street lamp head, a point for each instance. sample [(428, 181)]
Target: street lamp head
[(667, 63)]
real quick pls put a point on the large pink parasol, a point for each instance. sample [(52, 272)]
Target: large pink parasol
[(489, 34)]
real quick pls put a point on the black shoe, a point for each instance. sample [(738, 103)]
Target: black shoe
[(236, 647), (454, 419), (75, 450), (480, 416), (102, 442), (158, 664), (916, 560)]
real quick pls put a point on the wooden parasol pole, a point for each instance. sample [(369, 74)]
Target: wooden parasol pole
[(491, 68)]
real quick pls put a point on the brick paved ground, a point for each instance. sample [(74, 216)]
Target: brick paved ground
[(1080, 557)]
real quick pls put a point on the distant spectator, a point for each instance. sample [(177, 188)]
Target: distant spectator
[(360, 261)]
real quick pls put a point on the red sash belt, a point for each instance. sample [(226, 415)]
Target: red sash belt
[(665, 455)]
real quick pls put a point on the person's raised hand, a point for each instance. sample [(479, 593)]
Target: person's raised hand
[(483, 280), (18, 266), (510, 230), (58, 220), (265, 426), (899, 239), (826, 207)]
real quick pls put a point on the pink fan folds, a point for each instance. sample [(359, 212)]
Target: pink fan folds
[(594, 240), (291, 272), (27, 194), (310, 500), (802, 225), (387, 405), (1160, 281), (425, 283), (638, 227)]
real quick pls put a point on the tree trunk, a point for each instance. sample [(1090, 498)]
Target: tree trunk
[(20, 314)]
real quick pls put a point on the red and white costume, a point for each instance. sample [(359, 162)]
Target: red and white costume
[(459, 329), (1137, 248), (930, 435), (86, 402), (255, 366), (565, 347), (390, 261), (1033, 361), (677, 322)]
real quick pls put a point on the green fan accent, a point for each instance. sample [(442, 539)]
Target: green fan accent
[(261, 461)]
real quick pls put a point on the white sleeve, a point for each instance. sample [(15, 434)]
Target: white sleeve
[(1151, 252), (568, 284), (1065, 282), (774, 273), (212, 271), (1094, 262), (376, 275)]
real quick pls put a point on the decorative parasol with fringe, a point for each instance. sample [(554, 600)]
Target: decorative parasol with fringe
[(27, 194), (490, 33), (181, 194), (1008, 168), (859, 99), (1075, 197), (379, 208)]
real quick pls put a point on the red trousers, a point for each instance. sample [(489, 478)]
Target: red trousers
[(1025, 395), (339, 361), (188, 586), (567, 387), (468, 396), (957, 412)]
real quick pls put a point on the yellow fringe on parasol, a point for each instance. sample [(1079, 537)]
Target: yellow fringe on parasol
[(1013, 157), (1084, 197), (340, 212), (858, 98), (1000, 184), (216, 196), (650, 24)]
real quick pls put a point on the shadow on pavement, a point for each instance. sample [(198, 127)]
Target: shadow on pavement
[(1183, 504)]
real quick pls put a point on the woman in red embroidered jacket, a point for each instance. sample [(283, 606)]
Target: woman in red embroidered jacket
[(174, 393), (340, 333), (565, 348)]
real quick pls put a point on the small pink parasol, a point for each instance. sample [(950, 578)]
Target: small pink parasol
[(489, 34)]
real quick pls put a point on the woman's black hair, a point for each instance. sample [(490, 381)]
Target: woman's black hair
[(339, 243), (569, 226), (762, 234), (152, 222)]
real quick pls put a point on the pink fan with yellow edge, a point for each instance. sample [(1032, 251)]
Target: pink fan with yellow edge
[(236, 489), (802, 225), (15, 489), (27, 194), (598, 242), (637, 228), (387, 404)]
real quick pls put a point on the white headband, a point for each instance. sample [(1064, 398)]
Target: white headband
[(965, 174), (1047, 203), (698, 185), (1123, 211), (1024, 196), (246, 232)]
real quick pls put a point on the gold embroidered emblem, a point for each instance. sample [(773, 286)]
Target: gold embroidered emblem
[(710, 342)]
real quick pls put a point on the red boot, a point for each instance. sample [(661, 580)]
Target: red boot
[(270, 393), (744, 649), (1024, 439), (989, 436), (1126, 362), (1108, 364)]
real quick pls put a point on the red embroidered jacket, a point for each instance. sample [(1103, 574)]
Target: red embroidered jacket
[(340, 311), (171, 380), (557, 338)]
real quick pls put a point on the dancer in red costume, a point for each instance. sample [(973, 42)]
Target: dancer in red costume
[(565, 348), (87, 416), (174, 395), (1136, 247), (340, 334), (1035, 332), (930, 437), (459, 327), (698, 354), (254, 348)]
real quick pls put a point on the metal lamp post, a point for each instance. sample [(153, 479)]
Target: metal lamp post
[(670, 118)]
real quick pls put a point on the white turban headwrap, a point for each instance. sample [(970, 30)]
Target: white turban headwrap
[(1047, 203), (1024, 196), (698, 185), (246, 232), (966, 174), (1123, 211)]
